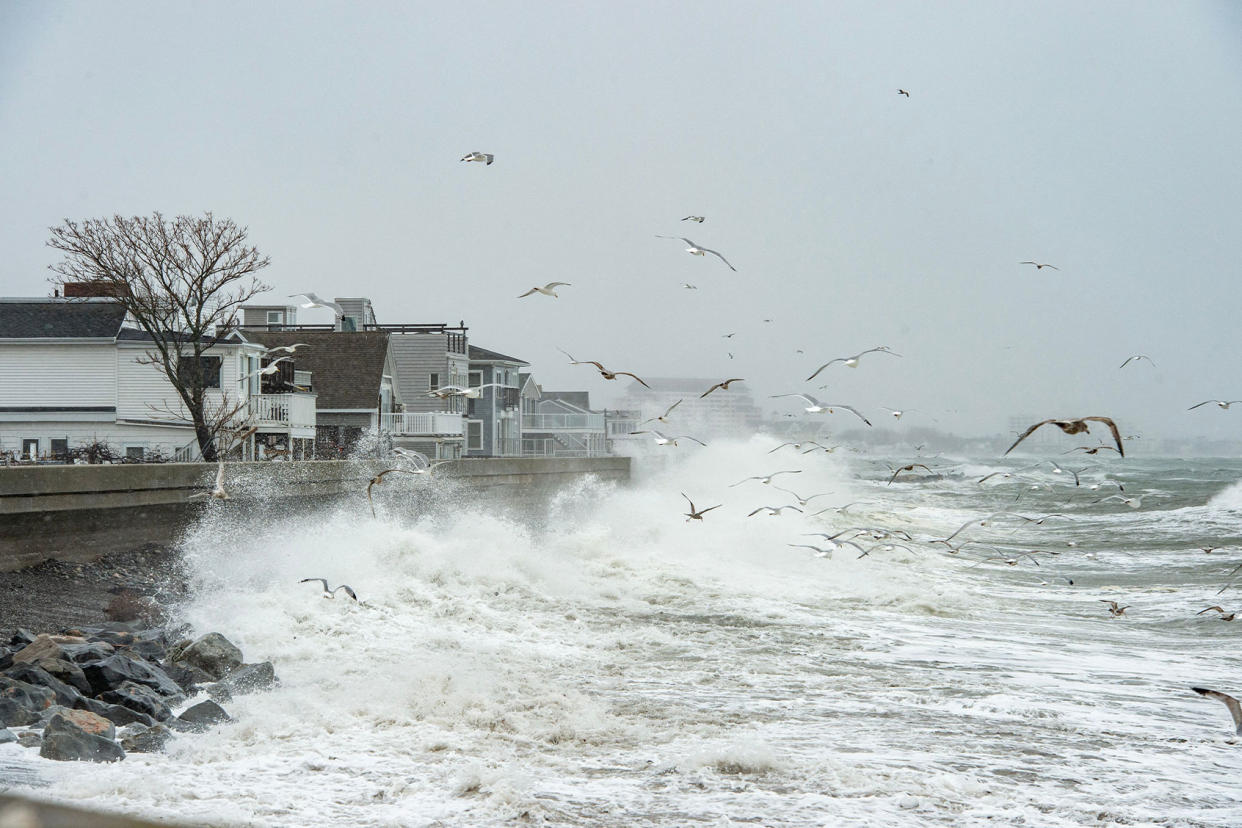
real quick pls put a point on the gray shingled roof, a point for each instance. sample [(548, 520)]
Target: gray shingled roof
[(346, 368), (582, 399), (477, 354), (60, 319)]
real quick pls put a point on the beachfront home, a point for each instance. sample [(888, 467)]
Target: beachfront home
[(562, 424), (493, 419), (417, 359), (73, 375)]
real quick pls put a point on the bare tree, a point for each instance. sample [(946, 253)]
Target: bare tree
[(180, 280)]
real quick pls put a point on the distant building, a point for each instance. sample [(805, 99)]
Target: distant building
[(725, 412)]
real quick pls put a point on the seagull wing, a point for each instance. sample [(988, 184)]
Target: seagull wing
[(551, 285), (528, 293), (1026, 433), (671, 407), (220, 477), (348, 591), (850, 409), (822, 367), (688, 437), (717, 255), (635, 376), (1235, 709), (1205, 402), (1113, 428), (806, 397), (320, 580)]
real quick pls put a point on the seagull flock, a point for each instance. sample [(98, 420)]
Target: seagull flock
[(882, 539)]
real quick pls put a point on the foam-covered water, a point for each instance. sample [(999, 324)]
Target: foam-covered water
[(607, 662)]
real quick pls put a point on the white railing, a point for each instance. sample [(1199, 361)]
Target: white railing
[(549, 447), (424, 423), (563, 422), (293, 410)]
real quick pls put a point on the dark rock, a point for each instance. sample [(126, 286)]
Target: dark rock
[(88, 651), (22, 637), (116, 713), (30, 738), (250, 677), (217, 691), (203, 715), (7, 736), (6, 659), (138, 697), (30, 674), (121, 667), (187, 676), (149, 648), (117, 638), (64, 740), (143, 739), (21, 703), (213, 654)]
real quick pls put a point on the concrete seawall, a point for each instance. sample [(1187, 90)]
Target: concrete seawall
[(83, 512)]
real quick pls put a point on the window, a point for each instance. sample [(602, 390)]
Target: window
[(474, 435), (135, 452), (275, 318), (209, 366), (476, 379), (60, 447), (349, 323), (433, 383), (30, 447)]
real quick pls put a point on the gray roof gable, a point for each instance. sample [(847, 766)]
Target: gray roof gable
[(60, 319), (477, 354), (346, 368)]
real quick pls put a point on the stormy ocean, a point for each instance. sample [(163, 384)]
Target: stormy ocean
[(608, 662)]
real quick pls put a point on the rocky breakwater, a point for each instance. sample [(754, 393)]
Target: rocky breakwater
[(96, 692)]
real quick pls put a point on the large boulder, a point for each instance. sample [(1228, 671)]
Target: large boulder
[(249, 677), (84, 719), (115, 670), (203, 715), (7, 736), (21, 703), (116, 713), (139, 697), (66, 741), (30, 674), (214, 654), (143, 739)]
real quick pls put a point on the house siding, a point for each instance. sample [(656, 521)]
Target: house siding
[(416, 356), (57, 375)]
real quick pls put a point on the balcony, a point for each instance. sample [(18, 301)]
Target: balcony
[(292, 412), (424, 424), (563, 422)]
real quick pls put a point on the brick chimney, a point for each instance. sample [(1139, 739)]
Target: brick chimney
[(87, 290)]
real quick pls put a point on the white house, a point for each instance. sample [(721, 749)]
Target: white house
[(72, 374)]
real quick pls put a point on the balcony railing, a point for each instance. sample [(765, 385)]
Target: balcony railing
[(562, 422), (292, 410), (424, 423)]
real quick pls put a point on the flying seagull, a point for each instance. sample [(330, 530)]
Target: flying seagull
[(1137, 356), (903, 92), (695, 250), (663, 418), (699, 219), (546, 290), (472, 393), (1222, 404), (689, 286), (286, 348), (1040, 265), (272, 367), (331, 593), (802, 501), (603, 372), (697, 514), (1235, 709), (773, 511), (485, 157), (664, 440), (218, 493), (766, 478), (911, 467), (852, 361), (1114, 610), (817, 407), (1078, 426), (724, 385), (379, 478), (1224, 616), (313, 301)]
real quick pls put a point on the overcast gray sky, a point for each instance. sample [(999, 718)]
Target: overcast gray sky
[(1099, 137)]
